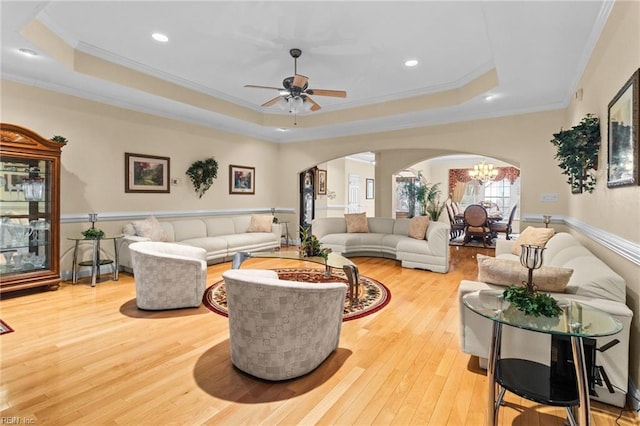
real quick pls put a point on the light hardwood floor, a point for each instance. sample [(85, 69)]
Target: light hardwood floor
[(88, 356)]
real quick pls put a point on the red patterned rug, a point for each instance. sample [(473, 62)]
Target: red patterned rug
[(375, 295), (4, 328)]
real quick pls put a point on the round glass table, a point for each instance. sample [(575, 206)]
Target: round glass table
[(528, 379), (333, 260)]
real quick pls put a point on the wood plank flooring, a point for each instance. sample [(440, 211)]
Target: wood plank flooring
[(88, 356)]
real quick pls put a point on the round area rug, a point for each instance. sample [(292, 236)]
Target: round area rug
[(375, 296)]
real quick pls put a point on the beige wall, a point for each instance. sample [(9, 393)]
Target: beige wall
[(617, 210), (93, 160)]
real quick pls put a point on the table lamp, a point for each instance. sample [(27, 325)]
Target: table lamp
[(93, 218), (531, 258)]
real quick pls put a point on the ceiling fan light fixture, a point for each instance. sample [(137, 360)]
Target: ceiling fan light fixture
[(296, 103)]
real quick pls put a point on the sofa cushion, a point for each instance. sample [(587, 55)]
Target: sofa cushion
[(356, 222), (380, 225), (214, 246), (217, 226), (260, 223), (188, 229), (508, 272), (418, 227), (532, 236), (401, 227), (150, 228)]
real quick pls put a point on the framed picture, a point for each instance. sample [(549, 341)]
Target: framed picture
[(242, 180), (322, 182), (146, 173), (623, 153), (370, 189)]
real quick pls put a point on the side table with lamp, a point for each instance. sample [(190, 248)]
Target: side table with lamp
[(567, 383), (95, 236)]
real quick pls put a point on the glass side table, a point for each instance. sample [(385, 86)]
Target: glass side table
[(578, 321), (95, 261)]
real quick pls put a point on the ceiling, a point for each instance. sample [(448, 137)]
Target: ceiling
[(477, 59)]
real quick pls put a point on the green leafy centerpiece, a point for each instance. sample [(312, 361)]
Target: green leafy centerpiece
[(526, 298), (93, 234)]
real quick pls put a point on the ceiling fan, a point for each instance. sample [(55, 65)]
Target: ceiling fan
[(295, 91)]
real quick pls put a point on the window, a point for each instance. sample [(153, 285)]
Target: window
[(500, 194)]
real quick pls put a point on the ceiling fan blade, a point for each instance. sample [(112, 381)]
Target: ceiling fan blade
[(314, 104), (272, 101), (324, 92), (299, 81), (262, 87)]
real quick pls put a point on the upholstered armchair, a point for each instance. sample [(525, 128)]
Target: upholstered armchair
[(168, 276), (281, 329)]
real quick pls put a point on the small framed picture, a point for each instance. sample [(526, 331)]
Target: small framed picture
[(322, 182), (146, 173), (371, 189), (242, 180)]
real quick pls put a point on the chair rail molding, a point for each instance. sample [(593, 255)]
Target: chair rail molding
[(628, 249), (115, 216)]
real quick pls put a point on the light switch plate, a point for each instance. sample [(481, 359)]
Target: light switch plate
[(549, 197)]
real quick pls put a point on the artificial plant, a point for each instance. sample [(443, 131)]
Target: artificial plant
[(309, 244), (202, 173), (577, 150)]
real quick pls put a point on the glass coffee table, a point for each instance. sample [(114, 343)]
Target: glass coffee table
[(528, 379), (334, 260)]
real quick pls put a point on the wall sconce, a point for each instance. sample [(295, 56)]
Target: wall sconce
[(547, 220)]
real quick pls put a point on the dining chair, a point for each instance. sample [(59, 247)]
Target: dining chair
[(457, 225), (505, 227), (475, 217)]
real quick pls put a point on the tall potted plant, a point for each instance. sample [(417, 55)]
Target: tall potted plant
[(577, 150)]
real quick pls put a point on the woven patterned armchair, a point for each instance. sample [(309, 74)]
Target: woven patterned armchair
[(281, 329), (168, 276)]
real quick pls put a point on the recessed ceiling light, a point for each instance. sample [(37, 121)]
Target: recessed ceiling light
[(411, 63), (160, 37), (28, 52), (489, 98), (282, 129)]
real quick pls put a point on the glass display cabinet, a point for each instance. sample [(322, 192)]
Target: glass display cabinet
[(29, 210)]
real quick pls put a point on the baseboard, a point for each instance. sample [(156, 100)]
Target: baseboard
[(633, 396)]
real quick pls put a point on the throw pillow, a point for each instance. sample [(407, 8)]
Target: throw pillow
[(509, 272), (150, 228), (532, 236), (418, 227), (356, 222), (260, 223)]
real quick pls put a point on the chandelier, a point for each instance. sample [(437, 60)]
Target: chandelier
[(483, 172)]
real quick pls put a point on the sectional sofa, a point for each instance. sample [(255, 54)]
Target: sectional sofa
[(387, 237), (591, 282), (221, 237)]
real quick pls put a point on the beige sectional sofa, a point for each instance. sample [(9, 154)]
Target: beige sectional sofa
[(387, 237), (592, 282), (221, 237)]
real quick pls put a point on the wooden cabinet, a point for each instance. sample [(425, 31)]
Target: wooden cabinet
[(29, 209)]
